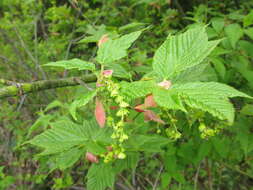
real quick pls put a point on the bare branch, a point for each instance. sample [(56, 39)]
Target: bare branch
[(25, 88)]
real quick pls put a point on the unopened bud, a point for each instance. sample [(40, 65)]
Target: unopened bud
[(166, 84)]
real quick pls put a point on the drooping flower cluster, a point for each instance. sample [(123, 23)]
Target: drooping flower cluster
[(119, 136), (206, 132)]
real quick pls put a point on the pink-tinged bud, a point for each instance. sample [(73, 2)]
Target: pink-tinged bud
[(149, 101), (107, 73), (166, 84), (140, 108), (114, 107), (109, 148), (99, 84), (100, 113), (102, 40), (91, 157), (149, 115)]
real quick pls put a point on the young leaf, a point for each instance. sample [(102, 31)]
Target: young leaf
[(116, 49), (234, 32), (81, 102), (149, 115), (100, 176), (100, 113), (72, 64), (182, 52)]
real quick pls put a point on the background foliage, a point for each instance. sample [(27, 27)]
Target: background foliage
[(35, 32)]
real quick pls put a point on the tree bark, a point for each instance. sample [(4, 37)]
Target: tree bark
[(15, 89)]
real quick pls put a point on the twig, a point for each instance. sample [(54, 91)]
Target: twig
[(196, 177), (237, 170), (83, 84), (77, 188), (126, 181), (7, 82), (12, 43), (133, 178), (209, 174), (29, 53), (25, 88), (121, 186), (22, 100), (157, 178)]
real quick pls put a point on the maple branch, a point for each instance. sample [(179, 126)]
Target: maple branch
[(15, 89)]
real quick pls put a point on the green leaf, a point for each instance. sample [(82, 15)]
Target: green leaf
[(82, 101), (67, 158), (95, 148), (248, 19), (146, 143), (136, 89), (211, 97), (234, 32), (119, 70), (115, 49), (182, 52), (73, 64), (168, 99), (219, 66), (54, 104), (247, 109), (100, 176), (209, 88), (95, 34), (130, 161), (42, 121), (218, 24), (63, 135), (131, 26), (192, 74), (221, 146), (203, 150), (243, 68), (249, 32)]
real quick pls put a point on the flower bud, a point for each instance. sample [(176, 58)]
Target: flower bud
[(103, 39), (121, 155), (107, 73), (91, 157), (166, 84)]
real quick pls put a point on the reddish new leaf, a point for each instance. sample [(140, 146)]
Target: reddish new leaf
[(91, 157), (100, 113), (149, 115), (102, 40), (149, 101), (140, 108)]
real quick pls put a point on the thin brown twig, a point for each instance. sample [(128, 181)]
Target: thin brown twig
[(157, 178), (196, 177)]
